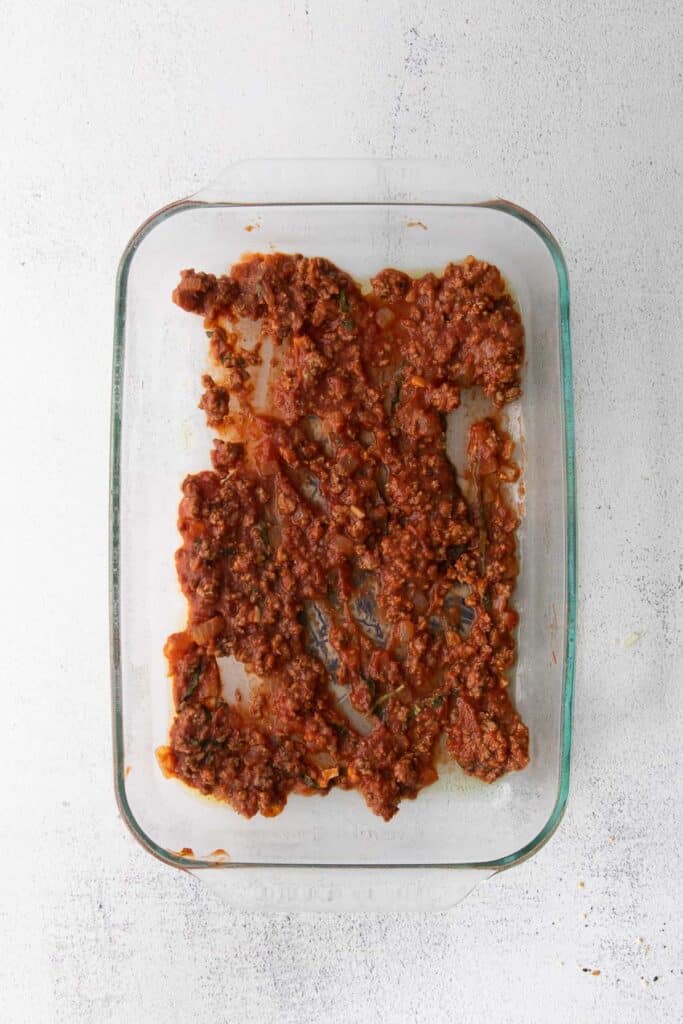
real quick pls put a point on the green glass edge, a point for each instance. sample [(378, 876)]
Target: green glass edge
[(114, 548)]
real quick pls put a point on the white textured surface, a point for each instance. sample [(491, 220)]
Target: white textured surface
[(108, 111)]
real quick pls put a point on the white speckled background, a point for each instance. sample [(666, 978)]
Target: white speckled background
[(107, 112)]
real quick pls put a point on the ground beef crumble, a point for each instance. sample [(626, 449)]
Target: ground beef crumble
[(331, 549)]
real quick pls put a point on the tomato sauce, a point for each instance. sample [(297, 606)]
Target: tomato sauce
[(331, 549)]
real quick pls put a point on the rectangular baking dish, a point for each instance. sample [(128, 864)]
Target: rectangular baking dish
[(332, 852)]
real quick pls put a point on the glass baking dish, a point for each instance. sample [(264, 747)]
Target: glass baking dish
[(333, 853)]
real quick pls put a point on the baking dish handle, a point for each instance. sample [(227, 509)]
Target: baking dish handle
[(294, 181), (339, 889)]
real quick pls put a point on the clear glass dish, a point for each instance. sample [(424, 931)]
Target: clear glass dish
[(333, 853)]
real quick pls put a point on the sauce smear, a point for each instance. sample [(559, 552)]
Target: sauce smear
[(331, 550)]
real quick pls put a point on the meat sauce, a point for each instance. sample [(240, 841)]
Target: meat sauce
[(331, 549)]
